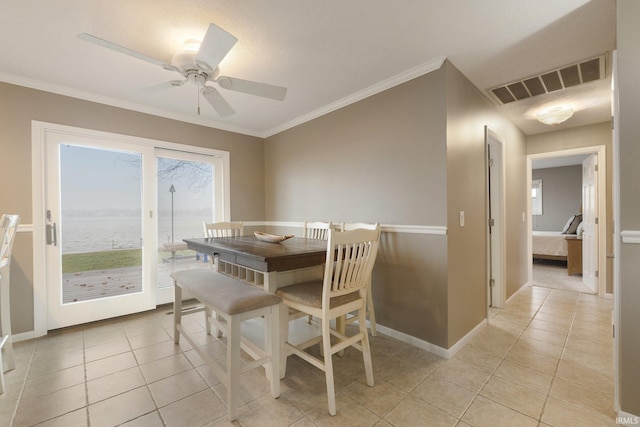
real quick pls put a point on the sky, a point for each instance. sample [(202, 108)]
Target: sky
[(103, 180)]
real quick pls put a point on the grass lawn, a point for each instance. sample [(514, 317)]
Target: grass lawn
[(76, 263)]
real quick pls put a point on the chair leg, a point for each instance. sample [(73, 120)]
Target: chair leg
[(371, 312), (328, 365), (208, 314), (207, 319), (284, 337), (366, 350), (8, 353), (1, 372), (233, 367), (272, 345), (177, 311)]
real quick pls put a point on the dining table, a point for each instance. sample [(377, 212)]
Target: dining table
[(268, 264)]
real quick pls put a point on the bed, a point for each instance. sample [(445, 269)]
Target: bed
[(553, 244), (549, 245)]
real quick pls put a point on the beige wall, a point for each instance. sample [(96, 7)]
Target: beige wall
[(468, 111), (19, 106), (628, 38), (561, 196), (411, 155), (382, 159), (580, 137)]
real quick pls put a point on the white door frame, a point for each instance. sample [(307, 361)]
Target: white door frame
[(496, 211), (600, 150), (38, 133), (591, 235)]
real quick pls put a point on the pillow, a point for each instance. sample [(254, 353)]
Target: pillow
[(579, 230), (568, 224), (573, 227)]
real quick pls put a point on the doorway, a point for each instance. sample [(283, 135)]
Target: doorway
[(100, 221), (594, 252)]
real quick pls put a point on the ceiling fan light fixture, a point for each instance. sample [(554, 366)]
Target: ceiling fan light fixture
[(555, 115), (192, 45)]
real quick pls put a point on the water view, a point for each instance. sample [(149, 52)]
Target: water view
[(100, 233)]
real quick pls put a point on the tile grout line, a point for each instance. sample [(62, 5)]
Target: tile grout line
[(564, 346), (502, 362), (24, 384)]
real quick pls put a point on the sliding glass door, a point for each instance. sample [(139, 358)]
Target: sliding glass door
[(116, 210)]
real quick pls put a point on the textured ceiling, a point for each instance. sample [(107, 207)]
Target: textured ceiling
[(327, 53)]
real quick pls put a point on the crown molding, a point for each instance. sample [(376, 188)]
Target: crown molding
[(410, 74), (126, 105)]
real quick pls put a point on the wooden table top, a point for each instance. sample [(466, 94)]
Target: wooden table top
[(248, 251)]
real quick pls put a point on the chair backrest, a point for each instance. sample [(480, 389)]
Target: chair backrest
[(223, 229), (8, 226), (316, 230), (346, 226), (349, 263)]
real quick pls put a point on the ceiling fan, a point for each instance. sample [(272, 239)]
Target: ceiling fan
[(198, 64)]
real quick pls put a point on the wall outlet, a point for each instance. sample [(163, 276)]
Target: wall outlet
[(461, 218)]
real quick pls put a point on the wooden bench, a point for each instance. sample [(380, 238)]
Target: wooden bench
[(233, 301)]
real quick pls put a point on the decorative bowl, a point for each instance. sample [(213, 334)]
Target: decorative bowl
[(271, 238)]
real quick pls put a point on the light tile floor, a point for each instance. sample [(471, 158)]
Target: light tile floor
[(545, 360)]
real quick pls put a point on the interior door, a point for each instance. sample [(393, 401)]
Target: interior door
[(496, 215), (589, 222), (99, 227)]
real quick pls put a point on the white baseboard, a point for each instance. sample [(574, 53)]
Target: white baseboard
[(432, 348), (24, 336)]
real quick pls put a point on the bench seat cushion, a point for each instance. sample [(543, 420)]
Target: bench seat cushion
[(222, 293)]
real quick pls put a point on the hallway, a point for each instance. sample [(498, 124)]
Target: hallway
[(545, 360)]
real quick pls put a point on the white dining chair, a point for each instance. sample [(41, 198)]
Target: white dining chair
[(342, 290), (371, 314), (223, 229), (8, 226), (220, 229), (316, 229)]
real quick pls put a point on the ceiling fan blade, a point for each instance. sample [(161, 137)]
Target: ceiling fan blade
[(159, 87), (214, 47), (216, 100), (126, 51), (252, 88)]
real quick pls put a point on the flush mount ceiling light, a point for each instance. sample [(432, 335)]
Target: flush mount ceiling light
[(555, 115)]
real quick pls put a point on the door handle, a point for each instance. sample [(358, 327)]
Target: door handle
[(52, 238)]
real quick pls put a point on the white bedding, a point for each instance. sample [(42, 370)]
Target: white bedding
[(549, 243)]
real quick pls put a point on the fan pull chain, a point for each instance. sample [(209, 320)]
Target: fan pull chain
[(198, 89)]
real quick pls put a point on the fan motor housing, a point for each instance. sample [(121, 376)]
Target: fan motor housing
[(185, 61)]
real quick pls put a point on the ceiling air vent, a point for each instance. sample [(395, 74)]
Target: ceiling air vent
[(562, 78)]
